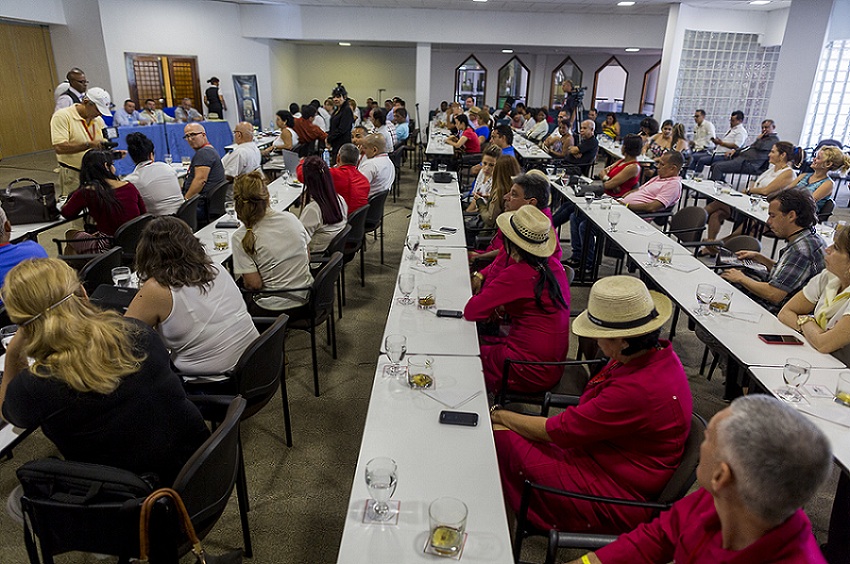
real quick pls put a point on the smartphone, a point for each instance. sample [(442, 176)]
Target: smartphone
[(780, 339), (449, 230), (464, 418), (449, 313)]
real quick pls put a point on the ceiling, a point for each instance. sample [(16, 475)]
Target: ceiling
[(649, 7)]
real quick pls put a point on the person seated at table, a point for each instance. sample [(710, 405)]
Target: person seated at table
[(156, 181), (194, 305), (490, 207), (269, 248), (483, 182), (529, 116), (821, 310), (584, 154), (750, 159), (465, 141), (110, 202), (245, 157), (323, 211), (532, 290), (308, 132), (287, 139), (401, 121), (150, 114), (379, 122), (662, 142), (205, 169), (441, 113), (760, 462), (610, 127), (559, 142), (295, 110), (99, 385), (624, 439), (186, 113), (540, 129), (357, 135), (502, 137), (127, 115), (479, 121), (778, 176), (733, 140), (827, 159), (375, 164), (12, 254), (347, 180)]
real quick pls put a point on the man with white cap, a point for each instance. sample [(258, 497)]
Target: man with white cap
[(76, 129)]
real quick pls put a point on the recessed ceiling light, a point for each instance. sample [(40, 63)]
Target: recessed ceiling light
[(759, 2), (625, 3), (507, 50), (479, 0), (632, 50), (344, 44)]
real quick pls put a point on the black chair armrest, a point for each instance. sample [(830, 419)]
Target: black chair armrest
[(283, 292), (655, 215), (598, 499), (583, 541), (558, 400), (506, 368), (212, 407)]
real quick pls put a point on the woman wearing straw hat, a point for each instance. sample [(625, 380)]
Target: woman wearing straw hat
[(626, 436), (533, 290)]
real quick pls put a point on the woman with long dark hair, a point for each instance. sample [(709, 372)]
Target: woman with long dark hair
[(287, 139), (342, 120), (532, 289), (323, 212), (111, 202)]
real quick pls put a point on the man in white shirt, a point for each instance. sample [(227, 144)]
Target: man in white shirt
[(73, 91), (703, 134), (245, 157), (376, 166), (734, 139), (150, 114), (325, 121)]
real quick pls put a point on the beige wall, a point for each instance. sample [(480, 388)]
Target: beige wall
[(303, 72)]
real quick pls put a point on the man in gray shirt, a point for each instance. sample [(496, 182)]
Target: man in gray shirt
[(205, 171)]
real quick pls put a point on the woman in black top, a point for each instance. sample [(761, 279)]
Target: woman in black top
[(214, 100), (342, 121)]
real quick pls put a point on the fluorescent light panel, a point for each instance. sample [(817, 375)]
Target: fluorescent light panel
[(344, 44), (507, 50), (759, 2), (632, 50), (625, 3)]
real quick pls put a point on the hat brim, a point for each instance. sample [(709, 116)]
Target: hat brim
[(503, 221), (584, 327), (104, 111)]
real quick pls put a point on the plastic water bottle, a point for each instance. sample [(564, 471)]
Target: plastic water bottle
[(326, 156)]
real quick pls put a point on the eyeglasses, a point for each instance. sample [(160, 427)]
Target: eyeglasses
[(193, 135)]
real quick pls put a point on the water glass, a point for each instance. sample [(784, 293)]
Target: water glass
[(613, 220), (426, 295), (412, 244), (754, 202), (705, 294), (653, 249), (550, 171), (168, 159), (447, 518), (588, 199), (424, 218), (381, 479), (442, 167), (842, 389), (230, 209), (406, 285), (795, 373), (220, 240), (185, 160), (426, 168), (430, 256), (721, 302), (430, 199), (121, 276), (666, 256), (420, 372), (396, 347), (689, 175)]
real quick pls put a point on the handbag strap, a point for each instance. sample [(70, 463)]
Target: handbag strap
[(35, 184), (182, 516)]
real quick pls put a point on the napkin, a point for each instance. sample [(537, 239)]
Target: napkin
[(452, 397), (828, 411), (644, 231), (428, 269), (681, 267), (749, 317)]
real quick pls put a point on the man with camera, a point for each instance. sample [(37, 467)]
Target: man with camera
[(76, 129)]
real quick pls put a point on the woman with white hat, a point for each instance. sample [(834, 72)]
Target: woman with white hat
[(626, 436), (532, 289)]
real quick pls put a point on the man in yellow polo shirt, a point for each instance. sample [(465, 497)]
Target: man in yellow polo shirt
[(76, 129)]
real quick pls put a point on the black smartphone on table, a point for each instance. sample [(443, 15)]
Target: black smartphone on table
[(780, 339), (465, 418)]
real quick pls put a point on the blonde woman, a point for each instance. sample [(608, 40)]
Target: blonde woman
[(99, 385), (492, 207), (818, 182), (269, 248)]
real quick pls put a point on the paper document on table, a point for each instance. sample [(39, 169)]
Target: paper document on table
[(749, 317), (681, 267), (641, 230), (451, 398), (428, 269), (828, 411)]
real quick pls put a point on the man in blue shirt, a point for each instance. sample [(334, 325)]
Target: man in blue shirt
[(402, 128), (127, 115), (11, 255), (503, 137)]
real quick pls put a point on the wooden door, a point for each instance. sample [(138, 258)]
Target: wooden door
[(144, 77), (165, 78), (26, 102), (183, 75)]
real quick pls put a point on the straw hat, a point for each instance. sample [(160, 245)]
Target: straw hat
[(621, 306), (529, 229), (475, 110)]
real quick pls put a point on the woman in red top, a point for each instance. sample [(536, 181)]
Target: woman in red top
[(626, 436), (532, 289), (467, 140), (622, 176), (110, 202)]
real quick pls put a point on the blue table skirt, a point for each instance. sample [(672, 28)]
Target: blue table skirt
[(168, 138)]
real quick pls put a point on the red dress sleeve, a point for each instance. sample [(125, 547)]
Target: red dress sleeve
[(75, 204)]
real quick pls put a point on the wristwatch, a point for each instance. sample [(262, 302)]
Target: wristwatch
[(478, 275), (802, 320)]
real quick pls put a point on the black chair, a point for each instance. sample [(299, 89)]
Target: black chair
[(127, 237), (396, 157), (826, 211), (188, 212), (212, 203), (375, 218), (676, 488), (687, 225), (572, 383), (337, 245), (73, 506), (98, 270), (354, 244)]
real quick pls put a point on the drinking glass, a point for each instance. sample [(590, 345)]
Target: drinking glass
[(412, 244), (666, 256), (588, 199), (430, 256), (754, 202), (605, 203), (653, 249), (442, 167), (230, 209), (396, 346), (381, 479), (220, 240), (121, 276), (168, 159), (406, 285), (424, 218), (689, 175), (426, 167), (764, 204), (6, 334), (550, 171), (795, 373), (705, 293), (430, 199), (613, 220), (842, 389), (447, 518), (420, 372), (185, 160), (426, 295)]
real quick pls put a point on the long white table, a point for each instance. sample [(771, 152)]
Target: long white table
[(446, 212), (262, 141), (529, 150), (433, 460), (725, 194), (437, 142)]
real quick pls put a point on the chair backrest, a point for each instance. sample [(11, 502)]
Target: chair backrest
[(742, 243), (826, 210), (685, 475), (188, 212), (322, 295), (692, 219), (396, 157), (215, 199), (127, 236), (257, 373), (337, 244), (98, 270), (376, 210), (357, 222), (206, 480)]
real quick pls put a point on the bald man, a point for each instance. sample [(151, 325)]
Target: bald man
[(205, 171), (585, 152), (245, 157), (376, 165)]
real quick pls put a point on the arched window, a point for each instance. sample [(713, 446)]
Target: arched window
[(470, 81), (513, 82), (650, 87), (567, 70), (609, 86)]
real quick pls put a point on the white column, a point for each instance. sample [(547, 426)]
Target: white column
[(423, 85), (671, 57)]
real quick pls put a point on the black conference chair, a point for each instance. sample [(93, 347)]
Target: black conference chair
[(354, 244), (98, 270), (337, 245), (211, 204), (188, 212), (127, 237), (375, 218)]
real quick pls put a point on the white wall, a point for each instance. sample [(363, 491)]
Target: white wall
[(36, 11), (207, 30), (80, 43)]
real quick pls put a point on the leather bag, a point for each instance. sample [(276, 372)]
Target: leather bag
[(29, 203)]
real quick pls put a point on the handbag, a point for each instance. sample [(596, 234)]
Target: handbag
[(201, 557), (31, 203)]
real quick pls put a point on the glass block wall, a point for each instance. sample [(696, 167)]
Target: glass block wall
[(722, 72), (828, 116)]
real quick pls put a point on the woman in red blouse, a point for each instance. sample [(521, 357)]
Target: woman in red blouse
[(622, 176), (466, 140)]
